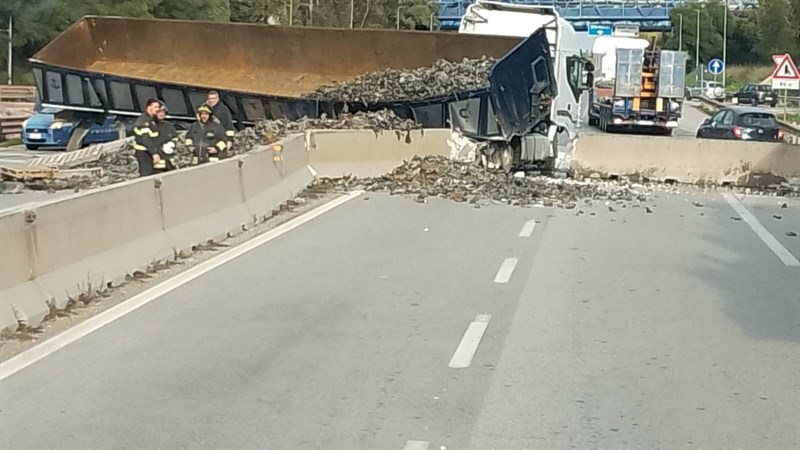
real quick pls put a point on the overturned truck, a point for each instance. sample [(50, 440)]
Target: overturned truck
[(103, 65)]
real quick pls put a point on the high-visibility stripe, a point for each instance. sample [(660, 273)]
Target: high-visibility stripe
[(141, 131), (188, 141), (212, 158), (221, 145), (230, 133), (139, 147)]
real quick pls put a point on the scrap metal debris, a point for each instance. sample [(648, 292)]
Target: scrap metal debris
[(268, 131), (442, 78), (438, 176), (120, 165)]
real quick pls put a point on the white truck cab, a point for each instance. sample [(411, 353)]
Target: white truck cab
[(506, 19)]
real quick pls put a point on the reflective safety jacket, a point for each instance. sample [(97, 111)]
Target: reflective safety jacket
[(166, 133), (203, 135), (145, 134)]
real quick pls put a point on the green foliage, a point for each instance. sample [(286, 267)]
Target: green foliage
[(216, 10), (752, 35)]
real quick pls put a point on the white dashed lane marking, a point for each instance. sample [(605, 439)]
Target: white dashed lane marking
[(462, 358)]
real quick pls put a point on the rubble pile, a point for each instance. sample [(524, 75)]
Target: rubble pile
[(442, 78), (438, 176), (268, 131), (121, 165)]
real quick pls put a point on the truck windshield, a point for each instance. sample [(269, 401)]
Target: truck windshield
[(758, 120)]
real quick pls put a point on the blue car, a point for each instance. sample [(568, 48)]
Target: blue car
[(43, 129)]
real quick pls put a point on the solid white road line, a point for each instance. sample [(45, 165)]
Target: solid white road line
[(527, 229), (416, 445), (780, 251), (506, 270), (462, 358), (60, 341)]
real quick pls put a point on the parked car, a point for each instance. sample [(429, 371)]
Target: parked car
[(755, 94), (708, 89), (44, 129), (745, 123)]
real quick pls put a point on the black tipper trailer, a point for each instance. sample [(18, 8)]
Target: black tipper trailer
[(110, 65)]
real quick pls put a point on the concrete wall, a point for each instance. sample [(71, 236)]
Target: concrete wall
[(685, 160), (55, 252), (334, 153)]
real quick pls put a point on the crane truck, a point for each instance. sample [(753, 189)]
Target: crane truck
[(636, 86)]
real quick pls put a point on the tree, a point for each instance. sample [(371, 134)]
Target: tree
[(216, 10), (778, 33)]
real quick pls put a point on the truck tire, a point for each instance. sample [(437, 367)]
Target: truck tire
[(31, 147)]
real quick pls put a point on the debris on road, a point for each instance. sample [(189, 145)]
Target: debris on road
[(442, 78), (777, 216), (438, 176), (791, 233)]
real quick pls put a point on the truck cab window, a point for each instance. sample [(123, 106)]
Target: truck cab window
[(575, 75)]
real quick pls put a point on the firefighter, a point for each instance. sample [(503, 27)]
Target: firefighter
[(145, 138), (223, 116), (167, 140), (206, 137)]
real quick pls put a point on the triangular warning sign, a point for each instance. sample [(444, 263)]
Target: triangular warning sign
[(785, 69)]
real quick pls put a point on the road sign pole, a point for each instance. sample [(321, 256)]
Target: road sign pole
[(785, 102), (725, 42)]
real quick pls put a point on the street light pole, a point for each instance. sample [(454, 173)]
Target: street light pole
[(398, 15), (352, 13), (680, 33), (697, 44), (725, 44), (10, 32)]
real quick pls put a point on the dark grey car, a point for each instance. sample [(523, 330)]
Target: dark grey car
[(756, 94), (742, 123)]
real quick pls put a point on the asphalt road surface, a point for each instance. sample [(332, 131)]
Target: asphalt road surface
[(389, 324)]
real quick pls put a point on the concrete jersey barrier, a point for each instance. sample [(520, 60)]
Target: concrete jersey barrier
[(56, 252), (685, 160)]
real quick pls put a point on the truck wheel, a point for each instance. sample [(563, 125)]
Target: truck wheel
[(31, 147), (592, 121)]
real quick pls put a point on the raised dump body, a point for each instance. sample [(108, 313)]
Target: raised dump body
[(110, 64)]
